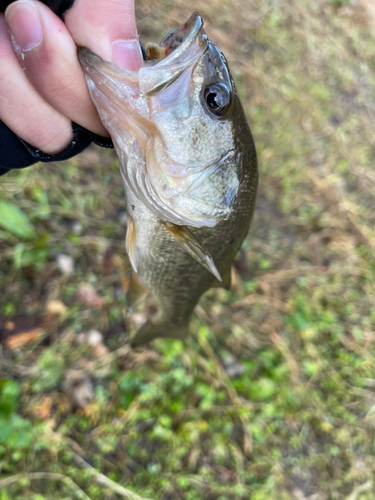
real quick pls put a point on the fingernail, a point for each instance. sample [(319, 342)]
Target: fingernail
[(24, 24), (127, 54)]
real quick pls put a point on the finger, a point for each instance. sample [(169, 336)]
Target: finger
[(108, 28), (23, 110), (49, 56)]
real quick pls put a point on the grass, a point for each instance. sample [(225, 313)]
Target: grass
[(272, 396)]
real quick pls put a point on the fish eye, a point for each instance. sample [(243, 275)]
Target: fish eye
[(217, 98)]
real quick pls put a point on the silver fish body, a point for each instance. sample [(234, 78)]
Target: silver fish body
[(189, 167)]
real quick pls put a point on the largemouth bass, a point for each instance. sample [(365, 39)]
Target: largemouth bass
[(189, 167)]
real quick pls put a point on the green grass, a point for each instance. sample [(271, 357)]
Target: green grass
[(272, 396)]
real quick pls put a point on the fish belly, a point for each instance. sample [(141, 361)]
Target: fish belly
[(171, 275)]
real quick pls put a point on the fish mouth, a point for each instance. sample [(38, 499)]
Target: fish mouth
[(169, 59), (165, 62)]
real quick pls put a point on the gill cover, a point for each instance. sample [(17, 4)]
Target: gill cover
[(176, 154)]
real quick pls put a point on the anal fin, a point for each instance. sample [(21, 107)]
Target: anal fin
[(136, 291), (153, 329)]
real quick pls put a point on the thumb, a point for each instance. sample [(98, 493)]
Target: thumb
[(108, 28)]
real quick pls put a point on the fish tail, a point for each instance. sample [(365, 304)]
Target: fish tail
[(153, 329)]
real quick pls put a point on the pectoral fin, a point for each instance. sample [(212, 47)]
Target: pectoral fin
[(193, 246)]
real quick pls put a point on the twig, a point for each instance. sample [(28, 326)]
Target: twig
[(282, 274), (217, 408), (8, 481), (353, 219), (103, 480), (222, 374), (255, 297), (107, 359), (363, 487), (155, 11)]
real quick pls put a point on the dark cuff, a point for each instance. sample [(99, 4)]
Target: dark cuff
[(59, 7), (82, 138), (16, 153)]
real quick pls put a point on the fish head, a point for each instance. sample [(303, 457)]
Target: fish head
[(174, 124)]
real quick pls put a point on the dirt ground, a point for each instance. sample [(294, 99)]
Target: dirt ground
[(272, 397)]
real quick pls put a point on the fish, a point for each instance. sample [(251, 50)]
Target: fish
[(189, 168)]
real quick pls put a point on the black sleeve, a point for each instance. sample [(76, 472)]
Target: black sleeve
[(57, 6), (16, 153)]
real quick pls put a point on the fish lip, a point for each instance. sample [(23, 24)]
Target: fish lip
[(190, 31), (187, 44), (87, 58)]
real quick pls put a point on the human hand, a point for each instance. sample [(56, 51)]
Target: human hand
[(42, 87)]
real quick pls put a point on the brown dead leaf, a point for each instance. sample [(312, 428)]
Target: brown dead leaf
[(109, 260), (99, 351), (125, 282), (95, 341), (247, 440), (68, 336), (132, 359), (43, 409), (56, 307), (91, 411), (78, 388), (89, 296), (21, 339)]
